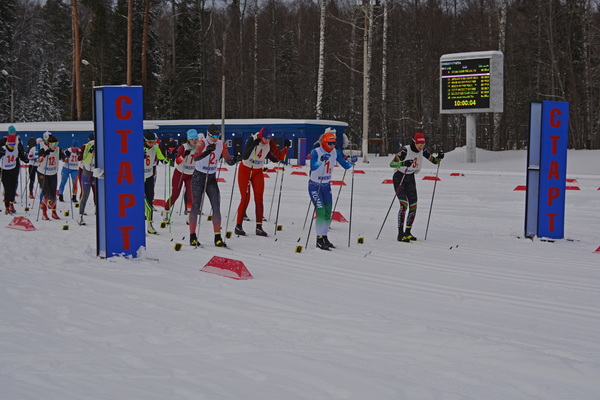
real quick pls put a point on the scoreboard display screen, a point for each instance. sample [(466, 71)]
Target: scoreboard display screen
[(471, 82), (466, 84)]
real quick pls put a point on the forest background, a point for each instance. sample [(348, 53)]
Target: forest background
[(303, 59)]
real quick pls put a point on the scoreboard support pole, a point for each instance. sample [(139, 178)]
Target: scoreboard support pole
[(471, 137)]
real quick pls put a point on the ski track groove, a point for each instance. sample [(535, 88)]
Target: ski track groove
[(341, 273)]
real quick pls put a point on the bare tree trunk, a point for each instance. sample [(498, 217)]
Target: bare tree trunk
[(503, 7), (129, 39), (321, 71), (145, 45), (174, 38), (255, 83), (384, 127), (77, 60)]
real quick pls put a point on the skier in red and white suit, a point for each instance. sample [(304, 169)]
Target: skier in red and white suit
[(184, 169), (258, 147)]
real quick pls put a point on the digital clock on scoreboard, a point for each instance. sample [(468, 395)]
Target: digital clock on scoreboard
[(471, 82)]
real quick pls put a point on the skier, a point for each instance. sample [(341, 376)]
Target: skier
[(184, 169), (50, 154), (208, 153), (33, 155), (322, 162), (408, 162), (152, 154), (10, 155), (258, 147), (88, 164), (70, 169)]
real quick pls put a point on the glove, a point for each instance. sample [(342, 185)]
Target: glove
[(231, 161), (325, 157), (256, 139), (440, 155), (210, 148), (287, 143), (187, 153), (92, 149), (238, 157), (67, 153), (44, 152), (407, 163), (353, 159)]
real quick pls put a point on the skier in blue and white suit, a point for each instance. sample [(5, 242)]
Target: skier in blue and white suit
[(322, 161)]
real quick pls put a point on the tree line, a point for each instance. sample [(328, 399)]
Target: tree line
[(303, 59)]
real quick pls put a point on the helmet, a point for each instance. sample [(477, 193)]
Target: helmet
[(328, 140), (266, 133), (419, 138), (46, 135), (213, 130), (149, 135), (192, 134)]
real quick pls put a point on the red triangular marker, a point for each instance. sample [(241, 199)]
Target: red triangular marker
[(227, 267), (21, 224)]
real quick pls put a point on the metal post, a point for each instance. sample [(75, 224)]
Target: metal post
[(471, 136)]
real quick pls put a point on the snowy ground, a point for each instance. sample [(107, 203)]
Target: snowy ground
[(474, 312)]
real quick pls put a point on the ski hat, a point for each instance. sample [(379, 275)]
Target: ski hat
[(75, 143), (91, 137), (39, 140), (266, 133), (328, 140), (46, 135), (213, 130), (192, 134), (11, 129), (149, 135), (419, 138), (52, 139), (11, 140)]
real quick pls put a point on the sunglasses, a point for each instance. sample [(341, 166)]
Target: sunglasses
[(215, 136), (53, 143), (331, 143)]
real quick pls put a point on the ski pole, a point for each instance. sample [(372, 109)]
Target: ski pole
[(391, 204), (432, 195), (315, 211), (351, 200), (340, 191), (274, 188), (231, 199), (71, 188), (279, 200)]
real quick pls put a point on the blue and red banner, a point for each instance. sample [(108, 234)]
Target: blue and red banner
[(118, 124), (547, 169)]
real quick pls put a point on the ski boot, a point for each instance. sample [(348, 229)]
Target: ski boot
[(194, 240), (151, 229), (239, 230), (408, 237), (219, 240), (12, 208), (321, 244), (400, 234), (80, 221), (44, 208), (74, 198), (246, 218), (61, 198), (328, 243), (53, 209), (260, 231), (31, 196)]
